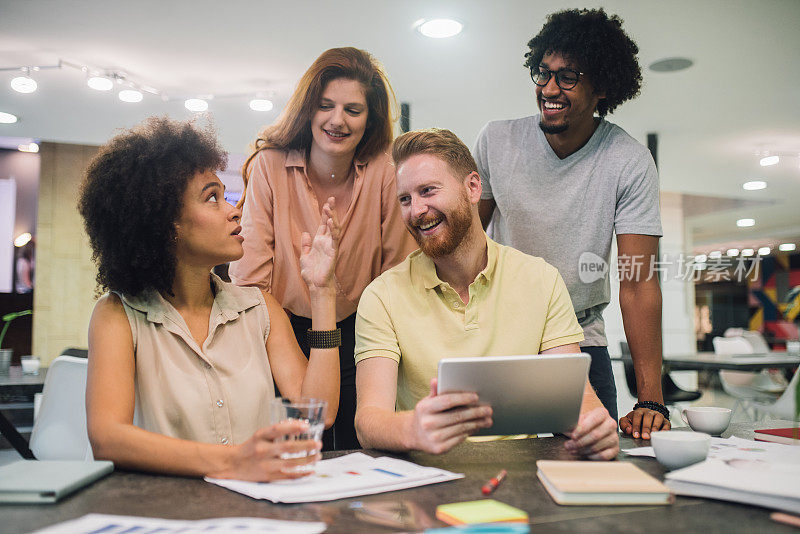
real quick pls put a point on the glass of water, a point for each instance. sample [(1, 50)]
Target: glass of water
[(311, 411)]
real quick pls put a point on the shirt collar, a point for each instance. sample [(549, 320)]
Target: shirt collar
[(427, 269), (297, 158), (229, 301)]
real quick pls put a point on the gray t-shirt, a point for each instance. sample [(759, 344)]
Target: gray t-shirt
[(566, 211)]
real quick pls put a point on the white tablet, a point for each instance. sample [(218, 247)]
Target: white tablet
[(528, 394)]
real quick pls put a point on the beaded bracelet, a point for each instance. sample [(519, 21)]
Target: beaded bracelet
[(655, 406)]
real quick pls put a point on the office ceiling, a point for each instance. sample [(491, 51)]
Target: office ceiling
[(740, 98)]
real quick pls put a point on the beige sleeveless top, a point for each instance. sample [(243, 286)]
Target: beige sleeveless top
[(215, 393)]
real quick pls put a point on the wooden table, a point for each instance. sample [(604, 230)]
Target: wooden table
[(128, 493)]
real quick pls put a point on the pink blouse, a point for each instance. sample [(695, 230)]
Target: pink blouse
[(280, 205)]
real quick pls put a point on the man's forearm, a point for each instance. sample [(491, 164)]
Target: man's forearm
[(381, 429), (640, 303)]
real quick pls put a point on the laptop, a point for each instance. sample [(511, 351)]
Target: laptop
[(34, 481), (533, 394)]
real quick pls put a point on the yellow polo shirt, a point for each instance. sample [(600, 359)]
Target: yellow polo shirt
[(517, 305)]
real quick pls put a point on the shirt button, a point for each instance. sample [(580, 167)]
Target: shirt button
[(224, 440), (456, 305), (220, 403)]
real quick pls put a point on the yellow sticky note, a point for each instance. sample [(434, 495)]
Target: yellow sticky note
[(483, 511)]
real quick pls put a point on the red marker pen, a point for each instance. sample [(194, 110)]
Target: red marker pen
[(493, 483)]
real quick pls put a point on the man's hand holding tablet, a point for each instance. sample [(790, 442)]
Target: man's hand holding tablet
[(440, 422)]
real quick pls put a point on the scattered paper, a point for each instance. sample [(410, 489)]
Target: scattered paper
[(117, 524), (346, 476), (740, 449)]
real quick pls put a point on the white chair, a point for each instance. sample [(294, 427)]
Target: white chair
[(786, 405), (747, 388), (59, 432)]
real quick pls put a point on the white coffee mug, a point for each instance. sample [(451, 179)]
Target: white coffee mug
[(708, 419), (675, 448)]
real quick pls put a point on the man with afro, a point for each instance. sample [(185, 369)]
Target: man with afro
[(560, 183)]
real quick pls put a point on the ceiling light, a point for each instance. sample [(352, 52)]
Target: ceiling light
[(440, 28), (22, 239), (715, 255), (24, 84), (754, 185), (769, 160), (764, 251), (744, 223), (671, 64), (196, 104), (747, 252), (100, 83), (7, 118), (28, 147), (130, 95), (732, 252), (700, 258), (787, 247), (260, 104)]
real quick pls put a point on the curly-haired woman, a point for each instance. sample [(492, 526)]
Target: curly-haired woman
[(191, 357), (330, 141)]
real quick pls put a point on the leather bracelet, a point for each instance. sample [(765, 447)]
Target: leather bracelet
[(324, 339), (655, 406)]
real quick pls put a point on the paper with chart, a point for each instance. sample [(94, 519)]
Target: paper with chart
[(346, 476), (740, 449), (119, 524)]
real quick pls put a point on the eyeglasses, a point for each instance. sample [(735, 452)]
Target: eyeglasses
[(565, 78)]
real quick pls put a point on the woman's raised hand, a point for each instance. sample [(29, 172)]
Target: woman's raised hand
[(260, 459), (318, 255)]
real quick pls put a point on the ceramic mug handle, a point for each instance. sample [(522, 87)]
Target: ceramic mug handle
[(683, 416)]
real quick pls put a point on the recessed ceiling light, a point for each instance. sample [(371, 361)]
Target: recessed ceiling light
[(22, 239), (769, 160), (100, 83), (28, 147), (754, 185), (715, 255), (7, 118), (787, 247), (747, 252), (130, 95), (261, 104), (24, 84), (764, 251), (671, 64), (440, 28), (196, 104), (732, 252), (744, 223)]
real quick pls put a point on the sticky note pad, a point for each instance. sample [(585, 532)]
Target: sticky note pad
[(483, 511)]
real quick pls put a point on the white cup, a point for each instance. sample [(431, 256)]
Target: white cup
[(675, 449), (30, 365), (708, 419)]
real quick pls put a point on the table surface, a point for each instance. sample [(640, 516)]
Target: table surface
[(734, 362), (129, 493)]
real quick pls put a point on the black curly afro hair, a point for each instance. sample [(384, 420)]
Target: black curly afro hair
[(132, 196), (600, 48)]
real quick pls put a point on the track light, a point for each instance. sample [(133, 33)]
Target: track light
[(261, 104), (100, 83), (130, 95), (196, 104), (7, 118), (24, 84)]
